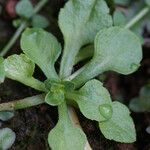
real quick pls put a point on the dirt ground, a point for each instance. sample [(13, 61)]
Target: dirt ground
[(33, 124)]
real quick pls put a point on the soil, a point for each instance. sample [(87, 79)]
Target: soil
[(32, 125)]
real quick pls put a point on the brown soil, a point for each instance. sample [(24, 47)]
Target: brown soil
[(32, 125)]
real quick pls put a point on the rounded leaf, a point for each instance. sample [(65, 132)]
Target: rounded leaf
[(119, 49), (6, 115), (18, 67), (55, 98), (7, 138), (39, 21), (94, 101), (24, 8), (116, 49), (42, 48), (65, 136), (120, 127), (84, 19)]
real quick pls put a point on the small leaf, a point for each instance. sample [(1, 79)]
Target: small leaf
[(39, 21), (17, 22), (120, 127), (68, 85), (55, 98), (24, 8), (7, 138), (21, 68), (119, 18), (141, 103), (18, 67), (6, 115), (65, 136), (84, 19), (2, 70), (118, 45), (85, 53), (136, 106), (94, 101), (147, 2), (79, 22), (42, 48), (112, 45)]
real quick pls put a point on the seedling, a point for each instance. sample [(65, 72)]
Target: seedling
[(142, 102), (7, 136), (115, 49), (28, 17), (126, 18)]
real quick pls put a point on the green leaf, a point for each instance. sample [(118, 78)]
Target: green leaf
[(120, 127), (42, 48), (140, 25), (116, 49), (55, 98), (56, 94), (7, 138), (17, 22), (24, 8), (79, 22), (85, 53), (39, 21), (2, 70), (147, 2), (118, 45), (141, 103), (68, 85), (18, 67), (21, 68), (94, 101), (65, 136), (119, 18), (84, 19), (6, 115)]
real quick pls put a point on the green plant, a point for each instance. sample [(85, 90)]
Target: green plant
[(7, 136), (115, 48), (28, 17), (129, 18), (142, 102)]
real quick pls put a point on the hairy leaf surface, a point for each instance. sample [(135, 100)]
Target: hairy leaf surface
[(7, 138), (116, 49), (65, 136), (120, 127), (94, 101), (79, 22), (42, 48)]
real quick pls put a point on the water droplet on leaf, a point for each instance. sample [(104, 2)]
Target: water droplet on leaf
[(106, 111)]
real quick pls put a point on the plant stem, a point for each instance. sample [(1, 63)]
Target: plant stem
[(39, 6), (13, 39), (24, 103), (34, 83), (138, 17), (23, 25), (70, 51), (75, 121)]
